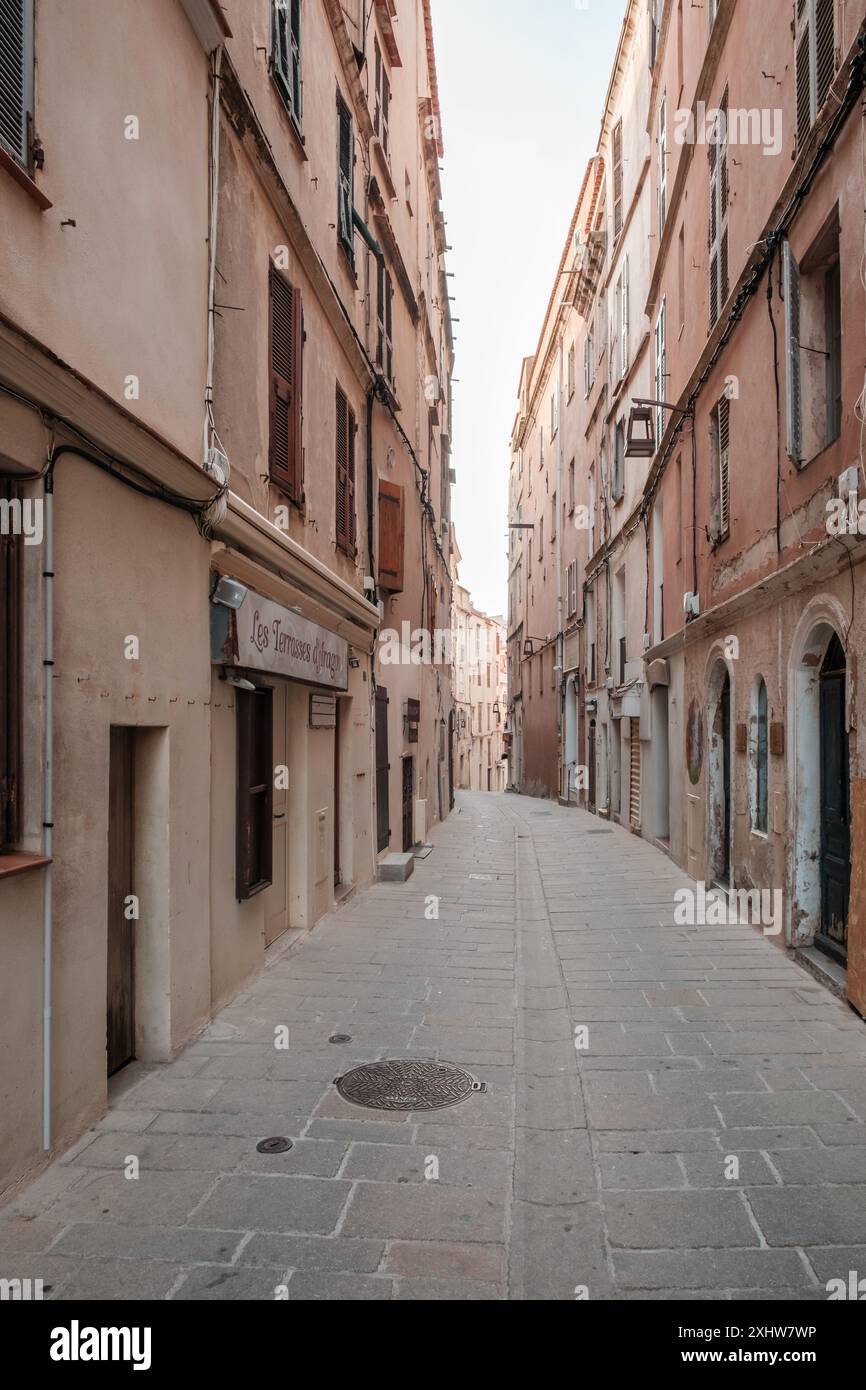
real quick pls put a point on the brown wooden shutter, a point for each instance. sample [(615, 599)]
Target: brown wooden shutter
[(350, 496), (391, 536), (10, 679), (287, 337), (346, 520), (255, 792), (634, 778)]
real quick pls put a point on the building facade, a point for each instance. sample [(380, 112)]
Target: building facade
[(718, 319), (225, 406), (480, 688)]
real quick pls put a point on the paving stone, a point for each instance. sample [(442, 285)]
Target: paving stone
[(251, 1203), (709, 1269), (333, 1254), (120, 1280), (440, 1260), (177, 1245), (811, 1215), (487, 1169), (448, 1290), (678, 1220), (339, 1288), (554, 1167), (233, 1285), (432, 1212), (644, 1170)]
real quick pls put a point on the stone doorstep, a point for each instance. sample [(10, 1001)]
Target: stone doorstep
[(396, 868)]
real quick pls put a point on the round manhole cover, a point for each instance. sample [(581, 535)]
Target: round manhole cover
[(274, 1146), (405, 1084)]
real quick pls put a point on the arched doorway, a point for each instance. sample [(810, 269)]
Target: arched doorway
[(835, 835), (719, 846)]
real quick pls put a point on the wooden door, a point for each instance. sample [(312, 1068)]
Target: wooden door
[(832, 936), (634, 774), (408, 792), (725, 852), (383, 770), (277, 898), (120, 1027), (591, 759), (338, 876)]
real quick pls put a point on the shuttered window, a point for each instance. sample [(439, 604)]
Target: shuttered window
[(16, 78), (662, 154), (255, 792), (286, 54), (761, 761), (661, 369), (382, 105), (384, 322), (718, 235), (571, 588), (619, 462), (791, 275), (345, 179), (721, 477), (816, 60), (634, 778), (10, 674), (345, 463), (617, 180), (391, 536), (285, 453)]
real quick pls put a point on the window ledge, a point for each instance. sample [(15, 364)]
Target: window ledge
[(21, 177), (11, 864)]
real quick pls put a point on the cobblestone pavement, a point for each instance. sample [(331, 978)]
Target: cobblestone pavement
[(603, 1168)]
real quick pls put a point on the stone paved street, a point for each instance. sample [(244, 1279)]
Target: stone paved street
[(603, 1168)]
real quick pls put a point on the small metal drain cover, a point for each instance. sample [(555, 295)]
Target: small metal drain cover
[(274, 1146), (405, 1084), (340, 1038)]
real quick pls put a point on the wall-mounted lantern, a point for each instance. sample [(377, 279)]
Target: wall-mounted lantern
[(641, 433)]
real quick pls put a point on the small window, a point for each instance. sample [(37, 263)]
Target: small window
[(718, 238), (571, 487), (813, 325), (16, 80), (720, 475), (285, 453), (345, 179), (816, 60), (761, 760), (619, 462), (571, 372), (382, 104), (617, 180), (662, 155), (255, 792), (286, 54), (661, 370), (346, 520)]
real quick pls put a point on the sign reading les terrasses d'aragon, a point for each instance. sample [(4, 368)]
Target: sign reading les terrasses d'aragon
[(269, 637)]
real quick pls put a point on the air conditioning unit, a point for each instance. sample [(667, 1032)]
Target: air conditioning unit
[(692, 605)]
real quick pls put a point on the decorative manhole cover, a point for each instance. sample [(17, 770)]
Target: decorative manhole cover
[(405, 1084), (274, 1146)]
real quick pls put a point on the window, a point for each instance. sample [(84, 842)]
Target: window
[(588, 364), (622, 317), (761, 760), (617, 180), (554, 412), (10, 672), (255, 792), (553, 519), (655, 14), (619, 462), (720, 470), (571, 492), (571, 372), (571, 589), (661, 370), (662, 153), (286, 455), (382, 104), (384, 321), (345, 461), (391, 536), (286, 54), (16, 78), (816, 60), (718, 157), (601, 320), (345, 180), (813, 326), (592, 509)]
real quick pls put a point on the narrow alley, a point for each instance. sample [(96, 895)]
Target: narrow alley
[(704, 1137)]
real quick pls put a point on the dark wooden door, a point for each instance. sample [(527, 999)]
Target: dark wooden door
[(725, 843), (451, 761), (121, 931), (832, 936), (338, 878), (591, 756), (408, 790), (383, 769)]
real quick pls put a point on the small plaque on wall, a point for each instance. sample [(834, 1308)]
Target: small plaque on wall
[(323, 711), (777, 740), (742, 738)]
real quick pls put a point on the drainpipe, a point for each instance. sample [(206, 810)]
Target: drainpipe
[(48, 803)]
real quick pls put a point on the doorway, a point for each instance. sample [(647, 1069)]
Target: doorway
[(590, 753), (277, 901), (120, 998), (383, 770), (408, 794), (719, 722), (832, 934)]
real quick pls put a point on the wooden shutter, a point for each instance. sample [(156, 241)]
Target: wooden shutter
[(377, 106), (391, 536), (295, 53), (255, 792), (286, 52), (617, 180), (825, 50), (661, 370), (383, 768), (724, 422), (804, 69), (718, 231), (624, 319), (663, 164), (792, 335), (345, 479), (634, 778), (287, 339), (16, 77)]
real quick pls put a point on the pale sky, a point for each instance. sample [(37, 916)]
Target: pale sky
[(521, 87)]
